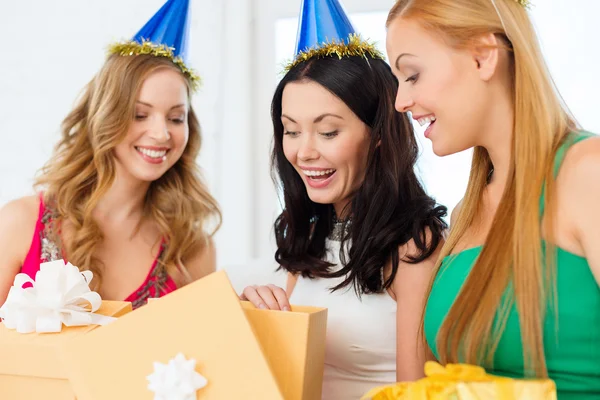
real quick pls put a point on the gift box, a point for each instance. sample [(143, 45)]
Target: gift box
[(464, 382), (294, 345), (289, 340), (194, 343), (38, 317), (30, 363)]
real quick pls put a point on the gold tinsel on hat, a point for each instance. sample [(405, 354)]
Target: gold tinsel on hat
[(133, 48), (355, 46)]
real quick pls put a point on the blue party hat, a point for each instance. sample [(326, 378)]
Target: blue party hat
[(325, 30), (169, 26), (320, 22), (164, 35)]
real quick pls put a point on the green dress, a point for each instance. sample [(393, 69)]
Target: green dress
[(572, 352)]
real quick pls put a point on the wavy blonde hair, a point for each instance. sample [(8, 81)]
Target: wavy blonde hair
[(82, 170), (512, 254)]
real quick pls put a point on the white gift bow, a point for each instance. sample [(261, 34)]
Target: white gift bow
[(60, 295), (178, 380)]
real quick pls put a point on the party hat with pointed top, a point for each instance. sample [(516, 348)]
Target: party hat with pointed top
[(324, 30), (164, 35)]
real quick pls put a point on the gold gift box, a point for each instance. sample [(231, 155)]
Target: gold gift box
[(464, 382), (30, 364)]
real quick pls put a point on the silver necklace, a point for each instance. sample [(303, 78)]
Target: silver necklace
[(338, 231)]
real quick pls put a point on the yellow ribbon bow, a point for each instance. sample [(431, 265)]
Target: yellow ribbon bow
[(463, 382)]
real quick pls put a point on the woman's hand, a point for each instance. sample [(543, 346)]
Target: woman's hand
[(269, 297)]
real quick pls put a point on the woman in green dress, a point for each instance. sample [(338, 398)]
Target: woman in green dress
[(516, 290)]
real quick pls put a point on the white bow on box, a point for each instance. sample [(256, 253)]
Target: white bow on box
[(177, 380), (59, 295)]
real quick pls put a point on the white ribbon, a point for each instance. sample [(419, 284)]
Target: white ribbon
[(60, 295), (177, 380)]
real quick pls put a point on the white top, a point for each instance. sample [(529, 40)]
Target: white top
[(360, 349)]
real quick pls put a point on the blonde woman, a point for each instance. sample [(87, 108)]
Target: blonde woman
[(516, 289), (122, 195)]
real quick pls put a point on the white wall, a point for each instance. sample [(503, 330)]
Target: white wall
[(52, 48), (56, 47)]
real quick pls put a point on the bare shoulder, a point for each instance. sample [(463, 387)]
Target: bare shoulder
[(23, 207), (19, 216), (578, 191), (582, 160), (579, 175), (17, 226), (414, 276)]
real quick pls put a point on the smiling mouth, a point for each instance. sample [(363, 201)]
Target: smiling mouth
[(152, 154), (428, 120), (319, 175)]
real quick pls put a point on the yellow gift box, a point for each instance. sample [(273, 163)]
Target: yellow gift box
[(243, 353), (464, 382), (30, 364)]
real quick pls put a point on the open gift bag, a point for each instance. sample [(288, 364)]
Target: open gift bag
[(294, 344), (30, 364), (202, 321)]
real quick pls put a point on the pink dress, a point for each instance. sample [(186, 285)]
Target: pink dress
[(157, 284)]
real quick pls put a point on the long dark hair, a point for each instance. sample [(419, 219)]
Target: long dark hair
[(389, 209)]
